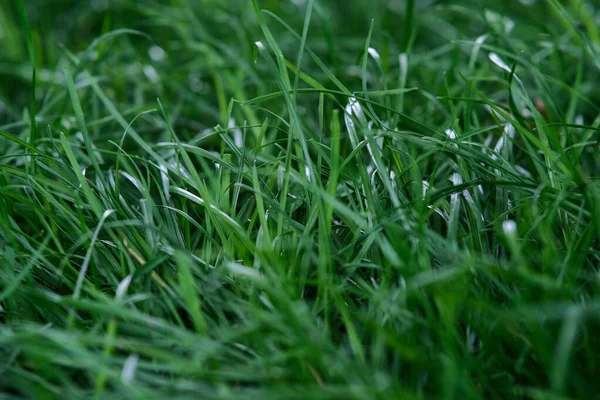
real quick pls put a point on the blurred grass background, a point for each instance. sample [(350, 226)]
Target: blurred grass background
[(211, 43)]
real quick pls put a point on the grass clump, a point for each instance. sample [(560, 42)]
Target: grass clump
[(310, 199)]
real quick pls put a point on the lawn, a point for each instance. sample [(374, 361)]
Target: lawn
[(305, 199)]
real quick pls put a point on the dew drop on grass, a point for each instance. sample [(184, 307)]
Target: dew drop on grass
[(156, 53), (122, 287), (496, 59), (260, 46), (355, 107), (129, 367), (307, 172), (509, 227), (425, 188), (523, 171), (374, 53), (150, 73)]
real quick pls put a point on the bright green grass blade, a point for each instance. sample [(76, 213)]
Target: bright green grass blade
[(94, 203), (190, 293), (92, 153)]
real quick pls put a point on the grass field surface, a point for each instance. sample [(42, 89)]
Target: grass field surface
[(307, 199)]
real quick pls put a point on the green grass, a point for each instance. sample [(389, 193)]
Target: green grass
[(318, 199)]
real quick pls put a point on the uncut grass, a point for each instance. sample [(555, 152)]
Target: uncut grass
[(302, 205)]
